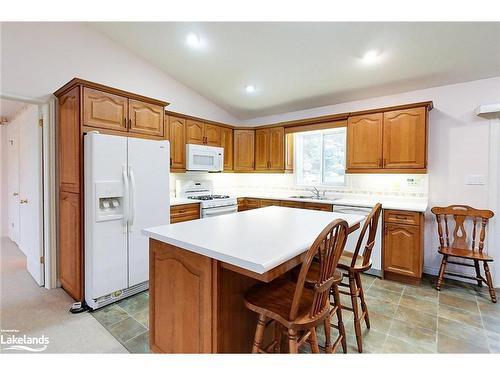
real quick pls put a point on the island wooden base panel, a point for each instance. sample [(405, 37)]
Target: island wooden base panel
[(196, 306)]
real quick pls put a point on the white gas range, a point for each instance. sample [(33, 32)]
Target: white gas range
[(202, 191)]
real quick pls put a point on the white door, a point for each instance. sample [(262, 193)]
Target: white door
[(105, 224), (149, 168), (30, 192), (13, 180)]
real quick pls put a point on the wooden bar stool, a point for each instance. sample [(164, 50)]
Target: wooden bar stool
[(295, 309), (461, 246), (354, 264)]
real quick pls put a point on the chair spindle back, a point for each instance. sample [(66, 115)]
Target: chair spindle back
[(370, 227)]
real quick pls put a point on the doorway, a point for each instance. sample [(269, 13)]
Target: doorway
[(22, 182)]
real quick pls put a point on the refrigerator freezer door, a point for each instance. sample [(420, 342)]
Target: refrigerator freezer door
[(105, 215), (149, 168)]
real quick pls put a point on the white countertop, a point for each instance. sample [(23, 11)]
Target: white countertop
[(257, 240)]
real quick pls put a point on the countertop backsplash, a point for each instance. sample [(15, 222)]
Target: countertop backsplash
[(368, 185)]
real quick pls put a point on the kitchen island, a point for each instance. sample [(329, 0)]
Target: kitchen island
[(201, 269)]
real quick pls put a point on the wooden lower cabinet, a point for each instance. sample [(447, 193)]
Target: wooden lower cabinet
[(318, 206), (70, 244), (269, 202), (292, 204), (403, 246), (252, 203), (184, 212)]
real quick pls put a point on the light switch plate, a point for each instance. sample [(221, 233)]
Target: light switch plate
[(475, 179)]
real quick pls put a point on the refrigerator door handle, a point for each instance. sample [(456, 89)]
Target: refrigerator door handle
[(132, 197), (125, 198)]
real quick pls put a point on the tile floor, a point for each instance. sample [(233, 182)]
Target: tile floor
[(404, 319)]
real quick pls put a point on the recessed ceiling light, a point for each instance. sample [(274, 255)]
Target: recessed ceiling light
[(250, 88), (193, 40), (371, 56)]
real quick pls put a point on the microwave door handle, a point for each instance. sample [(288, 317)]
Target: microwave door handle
[(125, 202)]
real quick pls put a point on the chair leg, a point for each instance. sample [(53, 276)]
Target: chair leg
[(277, 337), (490, 283), (364, 308), (441, 272), (328, 334), (313, 340), (340, 322), (478, 273), (259, 334), (354, 300), (292, 340)]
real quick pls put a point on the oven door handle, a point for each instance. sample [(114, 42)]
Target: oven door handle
[(214, 211)]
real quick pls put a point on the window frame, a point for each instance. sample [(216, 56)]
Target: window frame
[(296, 158)]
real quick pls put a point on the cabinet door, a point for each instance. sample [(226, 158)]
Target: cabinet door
[(402, 249), (262, 149), (364, 141), (145, 118), (212, 135), (70, 249), (69, 141), (244, 156), (103, 110), (227, 144), (289, 152), (405, 138), (195, 132), (177, 138), (277, 149)]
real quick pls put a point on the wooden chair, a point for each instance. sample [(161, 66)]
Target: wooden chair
[(458, 245), (295, 309), (353, 264)]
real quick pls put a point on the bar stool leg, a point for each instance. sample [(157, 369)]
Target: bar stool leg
[(364, 308), (340, 322), (292, 340), (313, 340), (259, 334), (328, 334), (354, 300)]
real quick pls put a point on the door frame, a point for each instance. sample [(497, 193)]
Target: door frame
[(46, 112)]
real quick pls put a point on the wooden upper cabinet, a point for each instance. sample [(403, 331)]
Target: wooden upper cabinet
[(104, 110), (195, 132), (405, 138), (227, 144), (244, 153), (177, 136), (364, 141), (270, 149), (212, 135), (261, 149), (289, 150), (145, 118), (277, 149), (69, 141)]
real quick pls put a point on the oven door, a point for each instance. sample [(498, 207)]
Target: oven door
[(217, 211), (204, 158)]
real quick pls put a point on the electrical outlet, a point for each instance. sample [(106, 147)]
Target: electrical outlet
[(475, 179), (412, 182)]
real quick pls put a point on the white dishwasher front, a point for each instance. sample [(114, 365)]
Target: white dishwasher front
[(376, 268)]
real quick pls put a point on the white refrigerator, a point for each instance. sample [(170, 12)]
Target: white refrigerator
[(126, 189)]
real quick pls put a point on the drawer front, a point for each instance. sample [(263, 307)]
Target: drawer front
[(318, 206), (401, 217), (269, 202), (184, 212), (292, 204), (252, 203)]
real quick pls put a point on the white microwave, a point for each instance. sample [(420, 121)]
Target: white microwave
[(204, 158)]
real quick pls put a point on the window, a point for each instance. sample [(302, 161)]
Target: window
[(320, 157)]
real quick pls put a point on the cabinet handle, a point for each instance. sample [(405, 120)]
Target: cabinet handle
[(401, 217), (129, 123), (125, 122)]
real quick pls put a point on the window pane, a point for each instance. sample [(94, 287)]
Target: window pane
[(334, 156), (310, 161)]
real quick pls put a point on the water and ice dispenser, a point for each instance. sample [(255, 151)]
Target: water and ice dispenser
[(109, 200)]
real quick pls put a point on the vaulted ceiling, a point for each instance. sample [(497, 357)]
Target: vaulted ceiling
[(295, 66)]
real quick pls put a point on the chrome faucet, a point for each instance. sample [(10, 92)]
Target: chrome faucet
[(316, 192)]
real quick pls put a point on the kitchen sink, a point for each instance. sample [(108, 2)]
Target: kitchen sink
[(308, 197)]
